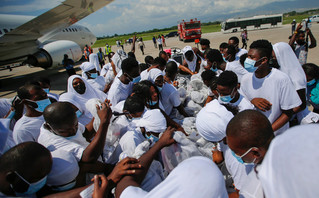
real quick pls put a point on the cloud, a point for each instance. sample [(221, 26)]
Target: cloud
[(137, 15), (27, 6)]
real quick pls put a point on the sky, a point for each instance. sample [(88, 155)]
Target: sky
[(127, 16)]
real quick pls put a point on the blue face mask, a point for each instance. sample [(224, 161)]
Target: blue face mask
[(93, 75), (313, 81), (239, 158), (136, 79), (47, 90), (214, 70), (159, 88), (78, 113), (152, 138), (152, 103), (249, 65), (33, 187), (225, 99), (42, 104)]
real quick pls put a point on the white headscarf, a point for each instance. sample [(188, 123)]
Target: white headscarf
[(64, 170), (85, 67), (89, 93), (192, 64), (153, 121), (86, 116), (290, 167), (212, 120), (117, 59), (290, 65), (195, 177), (153, 74), (94, 59)]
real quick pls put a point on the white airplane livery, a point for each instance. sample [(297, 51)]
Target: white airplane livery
[(42, 41)]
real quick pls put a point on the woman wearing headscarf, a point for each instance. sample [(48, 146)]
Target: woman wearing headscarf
[(90, 74), (94, 59), (83, 91)]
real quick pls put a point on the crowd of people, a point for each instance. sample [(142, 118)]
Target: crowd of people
[(225, 122)]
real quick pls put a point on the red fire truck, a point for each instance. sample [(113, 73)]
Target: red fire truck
[(190, 30)]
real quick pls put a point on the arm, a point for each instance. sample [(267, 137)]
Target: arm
[(182, 111), (114, 68), (172, 123), (261, 103), (145, 161), (293, 37), (313, 42), (209, 98), (302, 96), (184, 68), (133, 44), (282, 119), (95, 148)]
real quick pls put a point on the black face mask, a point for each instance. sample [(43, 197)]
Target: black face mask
[(80, 88)]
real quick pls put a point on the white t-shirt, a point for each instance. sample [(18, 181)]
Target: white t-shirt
[(277, 88), (119, 91), (27, 129), (237, 68), (105, 68), (242, 103), (252, 187), (238, 171), (5, 106), (239, 53), (75, 145), (169, 98)]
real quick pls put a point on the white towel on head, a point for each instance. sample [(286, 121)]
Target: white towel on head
[(94, 59), (153, 121), (191, 64), (85, 67), (154, 73), (212, 120), (290, 167), (117, 59), (290, 65), (64, 170)]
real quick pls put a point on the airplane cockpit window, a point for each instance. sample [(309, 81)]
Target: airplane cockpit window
[(87, 29), (5, 30)]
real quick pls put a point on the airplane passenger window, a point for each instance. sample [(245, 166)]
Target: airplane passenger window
[(5, 30), (73, 30), (76, 29), (63, 30), (70, 30), (66, 30)]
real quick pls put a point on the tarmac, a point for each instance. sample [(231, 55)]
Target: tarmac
[(10, 81)]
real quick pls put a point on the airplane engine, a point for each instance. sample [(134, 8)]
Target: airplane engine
[(52, 54)]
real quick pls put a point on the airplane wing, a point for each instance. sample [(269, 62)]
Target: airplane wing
[(30, 35)]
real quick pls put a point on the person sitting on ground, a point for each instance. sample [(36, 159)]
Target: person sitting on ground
[(35, 100), (24, 169), (122, 86), (227, 88), (234, 41), (89, 73), (215, 59), (268, 88)]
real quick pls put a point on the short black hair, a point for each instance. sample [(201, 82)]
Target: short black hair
[(171, 68), (142, 89), (129, 64), (204, 41), (58, 114), (143, 66), (231, 50), (208, 75), (160, 61), (242, 59), (311, 70), (227, 78), (223, 45), (214, 55), (134, 104), (251, 128), (149, 60), (300, 32), (206, 51), (264, 47), (189, 54), (235, 39), (24, 91), (131, 54), (22, 157), (161, 53)]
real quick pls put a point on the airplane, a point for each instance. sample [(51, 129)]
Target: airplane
[(42, 41)]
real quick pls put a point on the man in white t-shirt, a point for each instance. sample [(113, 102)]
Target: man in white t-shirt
[(35, 99), (248, 136), (61, 130), (122, 86), (235, 42), (227, 88), (269, 87), (215, 59)]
